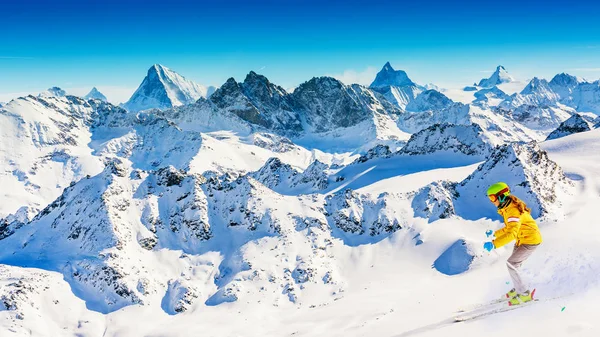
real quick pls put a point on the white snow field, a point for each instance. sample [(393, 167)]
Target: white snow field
[(214, 219)]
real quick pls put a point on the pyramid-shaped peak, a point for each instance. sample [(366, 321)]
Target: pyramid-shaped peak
[(536, 85), (95, 94), (163, 88), (388, 76), (498, 77)]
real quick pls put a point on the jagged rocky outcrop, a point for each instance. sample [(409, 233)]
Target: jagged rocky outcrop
[(379, 151), (328, 104), (258, 101), (88, 219), (526, 168), (435, 201), (282, 177), (357, 214), (465, 139), (273, 142), (13, 222), (575, 124), (179, 297)]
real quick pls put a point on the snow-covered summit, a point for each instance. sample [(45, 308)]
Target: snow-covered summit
[(163, 88), (53, 92), (429, 100), (498, 77), (537, 92), (95, 94), (388, 76), (395, 86), (563, 84)]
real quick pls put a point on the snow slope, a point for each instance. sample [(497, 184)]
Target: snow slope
[(43, 148)]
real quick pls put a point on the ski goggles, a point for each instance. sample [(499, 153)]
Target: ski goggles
[(495, 197)]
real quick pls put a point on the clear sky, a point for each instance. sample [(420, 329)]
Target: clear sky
[(111, 44)]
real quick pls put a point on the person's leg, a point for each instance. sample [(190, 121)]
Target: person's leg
[(514, 262)]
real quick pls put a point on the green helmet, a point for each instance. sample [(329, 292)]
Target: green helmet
[(499, 189)]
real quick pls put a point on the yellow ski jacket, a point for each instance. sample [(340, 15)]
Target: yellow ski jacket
[(517, 226)]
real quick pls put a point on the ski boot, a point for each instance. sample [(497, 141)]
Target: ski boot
[(522, 298), (511, 293)]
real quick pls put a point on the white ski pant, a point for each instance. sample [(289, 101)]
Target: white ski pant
[(519, 255)]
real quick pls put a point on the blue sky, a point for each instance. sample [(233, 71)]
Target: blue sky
[(111, 44)]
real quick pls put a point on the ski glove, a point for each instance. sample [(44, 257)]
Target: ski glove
[(489, 233), (488, 246)]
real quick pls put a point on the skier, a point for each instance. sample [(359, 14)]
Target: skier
[(519, 226)]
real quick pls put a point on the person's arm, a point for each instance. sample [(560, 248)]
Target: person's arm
[(510, 231)]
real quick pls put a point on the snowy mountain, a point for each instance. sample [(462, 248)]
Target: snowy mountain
[(498, 77), (43, 148), (466, 139), (163, 88), (536, 107), (537, 92), (259, 102), (532, 175), (53, 92), (586, 97), (490, 96), (95, 94), (576, 123), (395, 86), (577, 93), (564, 84), (326, 104), (429, 100)]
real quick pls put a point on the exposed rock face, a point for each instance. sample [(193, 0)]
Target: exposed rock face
[(575, 124), (466, 139), (532, 176), (435, 201)]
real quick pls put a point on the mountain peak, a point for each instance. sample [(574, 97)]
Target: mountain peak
[(54, 91), (388, 76), (95, 94), (536, 85), (498, 77), (163, 88), (388, 67)]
